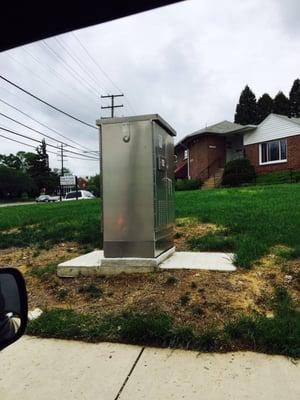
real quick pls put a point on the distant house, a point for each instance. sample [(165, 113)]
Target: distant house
[(83, 182), (273, 145)]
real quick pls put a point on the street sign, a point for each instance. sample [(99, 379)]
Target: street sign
[(68, 180)]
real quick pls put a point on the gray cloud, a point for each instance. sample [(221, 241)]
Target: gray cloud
[(187, 62)]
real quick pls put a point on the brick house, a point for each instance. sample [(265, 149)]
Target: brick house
[(273, 145)]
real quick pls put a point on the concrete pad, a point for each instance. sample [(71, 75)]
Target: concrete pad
[(94, 263), (196, 260), (166, 375), (48, 369)]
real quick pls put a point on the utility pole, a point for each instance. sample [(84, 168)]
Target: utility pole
[(113, 105), (62, 157)]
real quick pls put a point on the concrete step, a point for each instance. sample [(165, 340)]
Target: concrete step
[(214, 181)]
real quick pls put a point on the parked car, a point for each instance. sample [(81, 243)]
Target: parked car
[(45, 198), (81, 195)]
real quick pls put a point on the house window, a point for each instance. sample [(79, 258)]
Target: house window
[(273, 152), (185, 154)]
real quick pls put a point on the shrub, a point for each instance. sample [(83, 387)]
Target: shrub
[(62, 293), (184, 299), (238, 172), (91, 291), (171, 280), (187, 184)]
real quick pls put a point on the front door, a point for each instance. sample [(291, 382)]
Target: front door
[(234, 147)]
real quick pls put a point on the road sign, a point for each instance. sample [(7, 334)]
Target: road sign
[(68, 180)]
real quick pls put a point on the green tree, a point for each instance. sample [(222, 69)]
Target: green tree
[(281, 104), (38, 169), (264, 107), (26, 159), (94, 185), (246, 109), (66, 171), (295, 99), (14, 183), (11, 161)]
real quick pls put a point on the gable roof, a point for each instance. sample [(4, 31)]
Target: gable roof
[(292, 119), (221, 128)]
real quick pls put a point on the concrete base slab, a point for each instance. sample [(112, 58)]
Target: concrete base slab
[(195, 260), (94, 263)]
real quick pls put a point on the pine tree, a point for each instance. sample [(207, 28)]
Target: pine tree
[(246, 110), (264, 107), (281, 104), (295, 99)]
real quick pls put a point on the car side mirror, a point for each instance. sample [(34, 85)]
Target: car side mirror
[(13, 306)]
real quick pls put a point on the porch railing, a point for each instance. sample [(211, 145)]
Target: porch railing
[(211, 169)]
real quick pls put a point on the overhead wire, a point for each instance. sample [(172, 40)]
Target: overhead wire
[(40, 78), (44, 125), (48, 151), (60, 76), (68, 66), (79, 63), (38, 141), (46, 103), (100, 68), (37, 131)]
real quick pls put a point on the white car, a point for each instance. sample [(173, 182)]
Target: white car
[(45, 198), (81, 195)]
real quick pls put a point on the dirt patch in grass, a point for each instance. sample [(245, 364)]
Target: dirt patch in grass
[(199, 298), (187, 228)]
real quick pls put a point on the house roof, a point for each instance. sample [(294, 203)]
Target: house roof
[(221, 128), (292, 119)]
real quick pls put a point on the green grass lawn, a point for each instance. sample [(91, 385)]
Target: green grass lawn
[(252, 221), (255, 219), (47, 224)]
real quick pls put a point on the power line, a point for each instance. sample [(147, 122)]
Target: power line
[(46, 103), (38, 141), (25, 144), (78, 62), (95, 62), (35, 130), (40, 78), (66, 66), (54, 72), (48, 151), (99, 67), (42, 124)]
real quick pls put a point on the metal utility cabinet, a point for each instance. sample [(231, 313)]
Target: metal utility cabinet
[(137, 172)]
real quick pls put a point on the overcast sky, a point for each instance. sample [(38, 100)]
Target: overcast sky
[(187, 62)]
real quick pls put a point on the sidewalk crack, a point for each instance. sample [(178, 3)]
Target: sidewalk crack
[(130, 372)]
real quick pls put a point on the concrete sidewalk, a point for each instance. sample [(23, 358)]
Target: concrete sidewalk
[(47, 369)]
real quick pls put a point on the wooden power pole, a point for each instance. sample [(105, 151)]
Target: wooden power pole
[(113, 105)]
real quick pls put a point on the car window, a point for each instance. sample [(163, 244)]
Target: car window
[(71, 195)]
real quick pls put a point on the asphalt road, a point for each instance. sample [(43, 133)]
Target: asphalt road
[(47, 369), (16, 204)]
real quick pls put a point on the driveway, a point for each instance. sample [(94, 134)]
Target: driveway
[(47, 369)]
